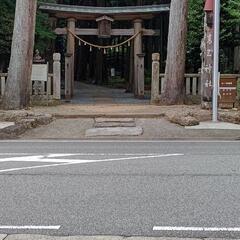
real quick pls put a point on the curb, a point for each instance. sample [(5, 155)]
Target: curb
[(73, 116), (43, 237)]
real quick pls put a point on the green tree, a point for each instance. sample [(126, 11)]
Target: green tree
[(43, 38), (44, 33), (195, 34)]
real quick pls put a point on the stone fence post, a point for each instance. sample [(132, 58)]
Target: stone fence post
[(140, 75), (57, 76), (155, 78)]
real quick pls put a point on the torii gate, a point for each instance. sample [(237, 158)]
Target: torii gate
[(104, 15)]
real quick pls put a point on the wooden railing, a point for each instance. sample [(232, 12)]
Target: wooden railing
[(192, 84)]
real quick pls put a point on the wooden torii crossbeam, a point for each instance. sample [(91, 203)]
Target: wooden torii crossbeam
[(92, 13)]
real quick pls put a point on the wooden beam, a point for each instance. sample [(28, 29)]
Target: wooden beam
[(92, 17), (151, 32), (115, 32), (69, 79), (138, 47)]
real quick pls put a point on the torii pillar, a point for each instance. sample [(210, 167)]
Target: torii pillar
[(70, 59), (138, 60)]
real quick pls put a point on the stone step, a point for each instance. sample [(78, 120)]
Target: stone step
[(126, 120), (114, 124), (114, 131)]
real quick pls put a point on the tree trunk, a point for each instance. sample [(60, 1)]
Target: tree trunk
[(18, 91), (175, 67), (237, 55)]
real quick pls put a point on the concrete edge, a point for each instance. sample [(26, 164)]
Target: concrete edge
[(3, 236), (219, 126), (44, 237), (140, 115)]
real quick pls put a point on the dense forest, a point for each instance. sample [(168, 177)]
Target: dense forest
[(230, 35)]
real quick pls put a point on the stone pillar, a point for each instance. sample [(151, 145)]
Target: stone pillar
[(207, 61), (137, 50), (140, 72), (68, 76), (70, 54), (155, 78), (57, 76)]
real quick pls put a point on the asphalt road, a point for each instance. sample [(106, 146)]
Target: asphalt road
[(120, 188)]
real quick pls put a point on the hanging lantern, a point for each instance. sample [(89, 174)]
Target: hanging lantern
[(117, 49), (79, 43), (129, 43), (90, 48), (105, 51)]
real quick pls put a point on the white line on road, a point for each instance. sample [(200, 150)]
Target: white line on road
[(35, 158), (65, 162), (120, 141), (30, 227), (14, 154), (196, 229), (54, 155), (102, 154), (34, 167)]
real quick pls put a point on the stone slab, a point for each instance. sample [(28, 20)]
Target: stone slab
[(114, 131), (125, 120), (6, 124), (215, 126), (114, 124), (3, 236)]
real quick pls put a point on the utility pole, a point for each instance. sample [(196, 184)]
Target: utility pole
[(216, 60)]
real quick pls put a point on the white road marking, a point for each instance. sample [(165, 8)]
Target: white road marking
[(54, 155), (101, 154), (34, 167), (38, 158), (30, 227), (14, 154), (196, 229), (119, 141), (65, 162)]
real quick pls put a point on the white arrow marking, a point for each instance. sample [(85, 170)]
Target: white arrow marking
[(38, 158), (65, 162)]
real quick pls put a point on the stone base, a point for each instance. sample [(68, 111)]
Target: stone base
[(4, 125), (14, 123)]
